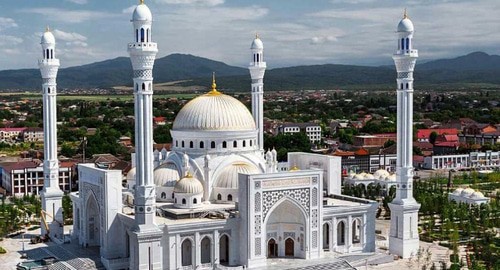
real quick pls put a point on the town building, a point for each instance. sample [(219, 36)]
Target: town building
[(373, 141), (423, 135), (32, 134), (312, 130)]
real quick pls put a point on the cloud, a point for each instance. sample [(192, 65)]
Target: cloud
[(322, 39), (193, 2), (129, 10), (69, 16), (79, 2), (6, 40), (72, 39), (7, 23)]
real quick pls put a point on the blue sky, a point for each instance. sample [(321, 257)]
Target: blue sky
[(294, 32)]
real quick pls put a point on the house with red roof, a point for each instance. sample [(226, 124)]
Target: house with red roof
[(424, 134)]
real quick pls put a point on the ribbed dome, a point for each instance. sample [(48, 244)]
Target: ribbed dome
[(48, 38), (188, 184), (131, 175), (257, 44), (166, 175), (405, 25), (477, 195), (467, 192), (380, 174), (214, 112), (228, 178), (142, 13), (458, 191)]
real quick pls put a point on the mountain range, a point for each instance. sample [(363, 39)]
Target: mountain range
[(474, 68)]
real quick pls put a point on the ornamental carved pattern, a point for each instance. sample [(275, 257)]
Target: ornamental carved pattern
[(314, 197), (257, 202), (314, 218), (87, 187), (258, 226), (269, 198), (315, 239), (289, 235), (143, 73), (258, 245)]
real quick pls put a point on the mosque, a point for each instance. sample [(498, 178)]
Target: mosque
[(217, 198)]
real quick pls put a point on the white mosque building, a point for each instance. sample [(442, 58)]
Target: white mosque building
[(216, 199)]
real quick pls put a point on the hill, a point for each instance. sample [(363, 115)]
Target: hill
[(474, 68)]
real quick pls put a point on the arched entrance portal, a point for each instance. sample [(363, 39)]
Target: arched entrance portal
[(186, 253), (272, 248), (224, 249), (93, 226), (285, 224), (289, 247)]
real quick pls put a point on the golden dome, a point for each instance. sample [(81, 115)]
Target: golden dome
[(214, 111)]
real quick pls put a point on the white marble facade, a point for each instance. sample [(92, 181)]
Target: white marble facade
[(218, 197)]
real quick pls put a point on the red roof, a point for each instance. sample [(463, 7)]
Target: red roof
[(426, 133), (361, 152), (19, 129), (21, 165), (446, 144)]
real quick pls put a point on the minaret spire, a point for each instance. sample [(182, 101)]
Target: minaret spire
[(403, 238), (257, 69), (51, 194), (146, 234)]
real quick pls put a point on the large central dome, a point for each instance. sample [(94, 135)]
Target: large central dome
[(214, 111)]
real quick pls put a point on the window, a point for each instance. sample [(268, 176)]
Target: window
[(250, 142), (182, 144), (183, 201), (176, 143), (143, 86), (407, 43), (224, 144), (195, 201), (136, 35), (230, 197), (402, 44), (212, 144), (407, 86), (235, 144), (163, 195), (147, 35), (142, 34), (219, 197), (173, 196), (202, 145), (191, 145), (244, 143)]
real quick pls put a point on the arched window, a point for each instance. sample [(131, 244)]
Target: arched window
[(202, 145), (341, 233), (230, 197), (136, 35), (356, 231), (183, 201), (182, 144), (224, 144), (173, 195), (407, 43), (195, 201), (147, 35), (244, 143), (257, 57), (142, 34), (48, 54), (401, 86), (250, 142), (235, 144), (51, 54), (163, 195), (191, 144), (205, 250), (143, 86), (212, 145), (219, 197), (326, 236), (186, 253), (407, 86), (176, 143), (402, 44)]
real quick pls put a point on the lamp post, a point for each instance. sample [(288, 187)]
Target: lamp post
[(23, 253)]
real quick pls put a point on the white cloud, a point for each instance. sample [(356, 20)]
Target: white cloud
[(6, 40), (193, 2), (322, 39), (72, 39), (69, 16), (79, 2), (7, 23), (129, 10)]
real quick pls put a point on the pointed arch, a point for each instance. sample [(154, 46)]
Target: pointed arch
[(187, 252), (142, 35), (206, 248), (224, 248)]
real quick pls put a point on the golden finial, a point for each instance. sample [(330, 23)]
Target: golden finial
[(405, 15), (47, 29), (141, 2), (257, 35), (189, 175), (214, 86), (294, 168)]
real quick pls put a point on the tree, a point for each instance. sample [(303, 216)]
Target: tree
[(67, 150), (432, 137), (389, 143), (67, 206)]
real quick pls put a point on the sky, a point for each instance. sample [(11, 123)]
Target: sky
[(294, 32)]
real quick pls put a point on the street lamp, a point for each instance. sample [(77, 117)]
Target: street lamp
[(23, 253)]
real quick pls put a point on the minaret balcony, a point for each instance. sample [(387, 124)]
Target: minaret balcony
[(143, 45), (258, 64), (50, 62), (412, 53)]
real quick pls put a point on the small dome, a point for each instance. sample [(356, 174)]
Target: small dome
[(214, 111), (142, 13), (458, 191), (257, 44), (380, 173), (477, 195), (405, 25), (166, 175), (358, 177), (467, 192), (228, 177), (188, 184), (391, 178), (369, 176), (131, 175), (48, 38)]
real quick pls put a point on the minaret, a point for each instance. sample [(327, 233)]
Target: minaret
[(146, 238), (51, 195), (257, 69), (403, 238)]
